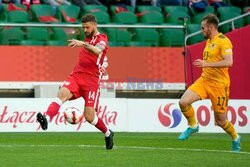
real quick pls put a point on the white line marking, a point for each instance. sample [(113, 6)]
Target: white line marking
[(125, 147)]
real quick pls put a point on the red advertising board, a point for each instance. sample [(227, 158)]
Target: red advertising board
[(47, 63)]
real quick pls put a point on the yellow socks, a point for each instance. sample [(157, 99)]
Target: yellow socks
[(229, 128), (188, 112)]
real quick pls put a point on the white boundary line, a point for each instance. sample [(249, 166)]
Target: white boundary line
[(126, 147)]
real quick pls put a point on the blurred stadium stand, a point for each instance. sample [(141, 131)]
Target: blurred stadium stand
[(141, 15)]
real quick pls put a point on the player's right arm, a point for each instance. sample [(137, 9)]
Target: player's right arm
[(97, 50), (227, 61)]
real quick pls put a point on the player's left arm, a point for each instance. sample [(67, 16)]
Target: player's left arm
[(97, 50)]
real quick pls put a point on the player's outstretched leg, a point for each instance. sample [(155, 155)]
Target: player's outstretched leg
[(185, 135), (52, 110), (42, 120), (188, 112)]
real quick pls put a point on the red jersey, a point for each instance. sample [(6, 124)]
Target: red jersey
[(90, 63)]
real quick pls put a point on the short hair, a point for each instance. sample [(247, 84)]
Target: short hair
[(88, 18), (211, 19)]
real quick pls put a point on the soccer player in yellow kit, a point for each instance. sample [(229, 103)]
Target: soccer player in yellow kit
[(214, 81)]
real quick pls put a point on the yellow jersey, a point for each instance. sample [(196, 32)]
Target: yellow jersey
[(214, 51)]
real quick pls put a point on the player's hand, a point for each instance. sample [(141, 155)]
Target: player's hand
[(74, 42), (199, 63)]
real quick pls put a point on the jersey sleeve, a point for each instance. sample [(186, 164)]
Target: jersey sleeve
[(226, 47), (101, 43)]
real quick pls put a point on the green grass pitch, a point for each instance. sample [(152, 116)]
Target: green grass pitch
[(131, 150)]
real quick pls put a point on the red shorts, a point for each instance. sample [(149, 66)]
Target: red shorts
[(84, 85)]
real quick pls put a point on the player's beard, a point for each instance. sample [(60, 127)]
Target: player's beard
[(207, 35), (89, 35)]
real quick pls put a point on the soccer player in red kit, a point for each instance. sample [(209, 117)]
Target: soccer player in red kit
[(84, 79)]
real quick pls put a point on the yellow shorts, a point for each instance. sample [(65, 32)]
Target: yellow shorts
[(218, 95)]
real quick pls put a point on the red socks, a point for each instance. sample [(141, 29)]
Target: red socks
[(101, 126), (52, 109)]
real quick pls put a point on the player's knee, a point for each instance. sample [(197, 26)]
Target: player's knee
[(64, 94), (221, 123), (87, 117), (183, 103)]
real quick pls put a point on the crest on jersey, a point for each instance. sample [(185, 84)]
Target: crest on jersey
[(222, 36)]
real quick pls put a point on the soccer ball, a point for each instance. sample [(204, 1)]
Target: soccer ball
[(73, 115)]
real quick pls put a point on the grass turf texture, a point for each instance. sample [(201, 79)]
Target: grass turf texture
[(131, 149)]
